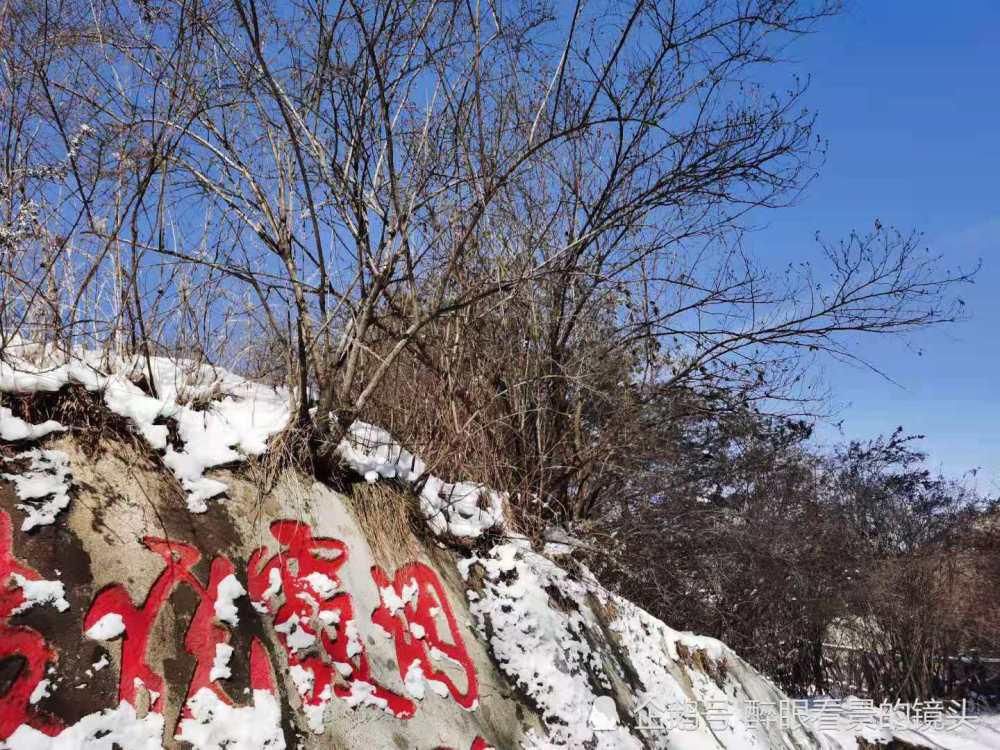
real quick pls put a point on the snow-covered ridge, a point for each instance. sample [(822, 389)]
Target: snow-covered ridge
[(235, 419), (610, 696), (237, 423)]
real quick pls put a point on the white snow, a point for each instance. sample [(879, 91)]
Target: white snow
[(238, 421), (543, 649), (414, 680), (416, 683), (220, 664), (303, 678), (105, 730), (41, 691), (40, 591), (604, 714), (558, 654), (13, 429), (462, 509), (324, 586), (44, 486), (272, 590), (296, 637), (395, 602), (354, 646), (316, 712), (110, 626), (363, 694), (228, 592), (215, 725)]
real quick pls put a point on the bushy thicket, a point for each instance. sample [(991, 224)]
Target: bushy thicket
[(850, 569), (854, 571)]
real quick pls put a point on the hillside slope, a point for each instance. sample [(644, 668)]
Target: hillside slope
[(164, 584)]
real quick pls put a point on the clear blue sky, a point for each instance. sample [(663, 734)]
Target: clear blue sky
[(908, 95)]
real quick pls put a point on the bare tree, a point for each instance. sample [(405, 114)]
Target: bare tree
[(377, 188)]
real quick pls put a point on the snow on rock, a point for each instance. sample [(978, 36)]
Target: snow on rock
[(44, 486), (220, 664), (41, 691), (110, 626), (297, 637), (416, 683), (39, 591), (316, 712), (544, 649), (113, 728), (230, 589), (272, 590), (604, 714), (363, 694), (603, 672), (843, 724), (374, 454), (678, 668), (234, 420), (215, 725), (461, 509), (324, 586)]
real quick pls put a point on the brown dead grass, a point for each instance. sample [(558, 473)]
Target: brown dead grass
[(386, 515), (289, 449)]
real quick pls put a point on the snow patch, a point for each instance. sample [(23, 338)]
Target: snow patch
[(237, 422), (545, 649), (220, 664), (116, 727), (41, 691), (14, 429), (44, 486), (39, 591), (462, 509), (239, 419), (363, 694), (228, 592), (216, 725), (324, 586), (109, 626), (296, 637)]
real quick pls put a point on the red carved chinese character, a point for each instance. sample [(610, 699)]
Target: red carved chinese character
[(203, 634), (409, 612), (19, 643), (316, 621)]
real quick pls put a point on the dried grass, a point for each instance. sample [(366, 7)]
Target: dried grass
[(387, 516), (288, 450)]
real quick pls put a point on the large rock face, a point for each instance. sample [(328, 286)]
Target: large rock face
[(289, 615)]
